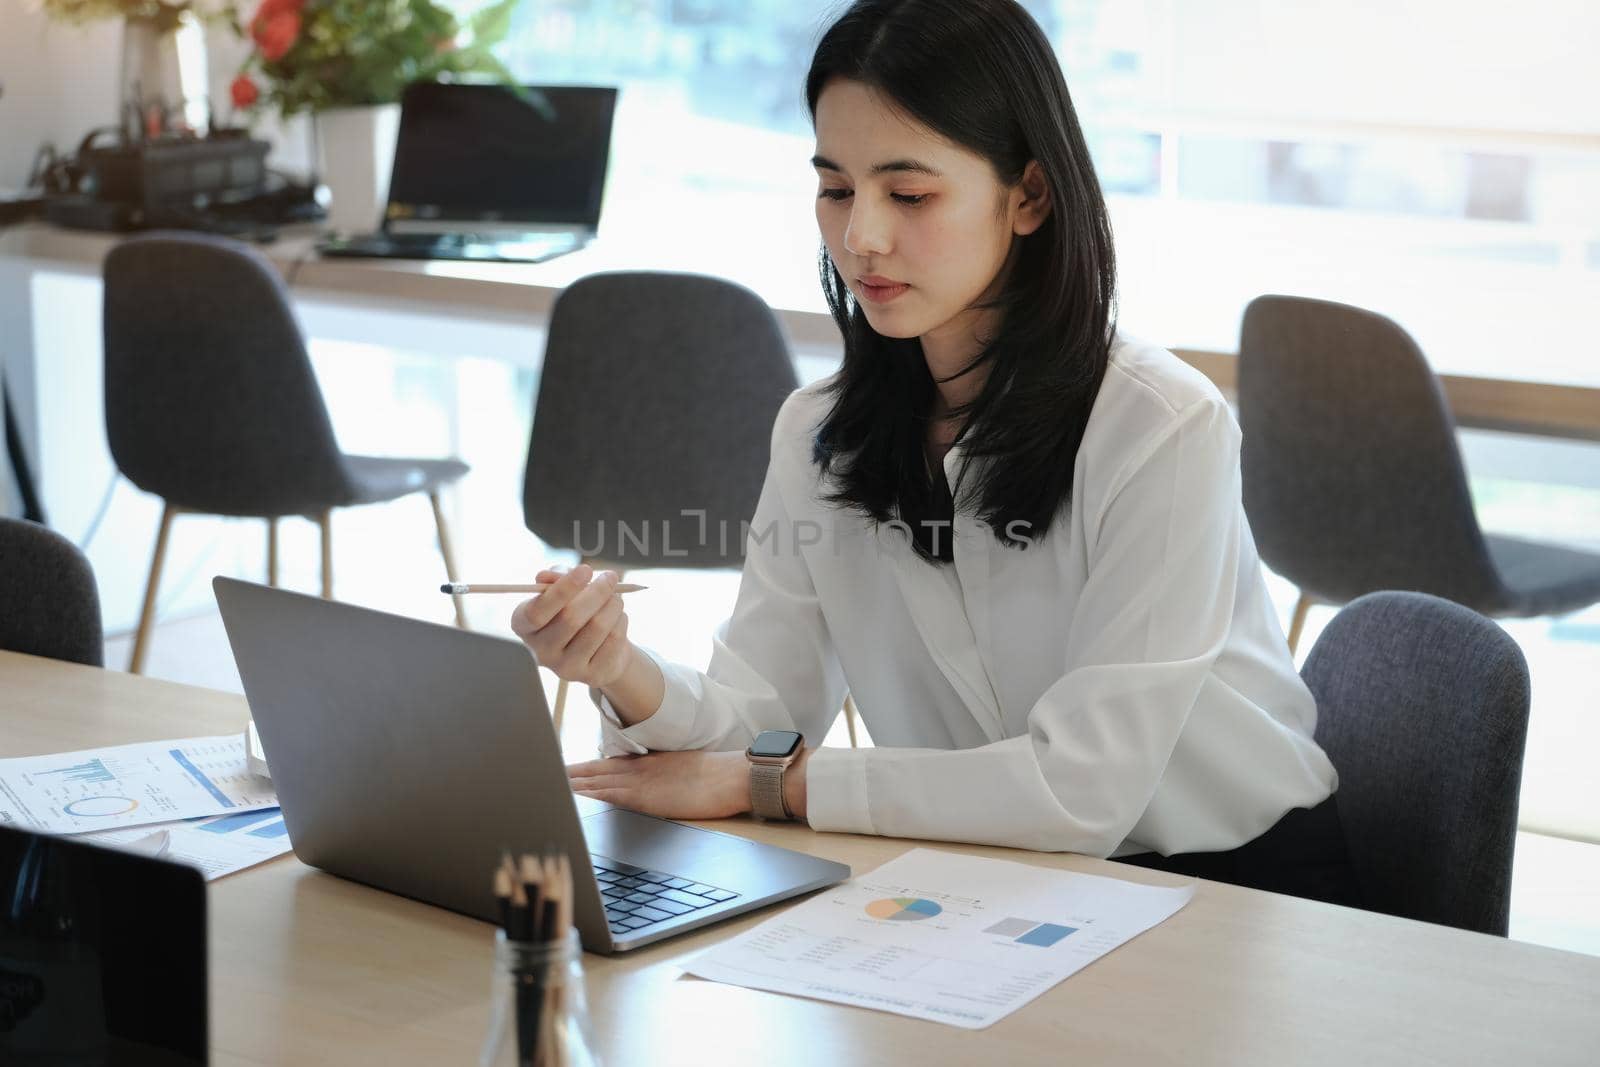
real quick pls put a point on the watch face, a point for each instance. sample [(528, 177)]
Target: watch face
[(775, 743)]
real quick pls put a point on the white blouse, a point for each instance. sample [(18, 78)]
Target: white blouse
[(1121, 685)]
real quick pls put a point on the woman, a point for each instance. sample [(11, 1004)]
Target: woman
[(1013, 536)]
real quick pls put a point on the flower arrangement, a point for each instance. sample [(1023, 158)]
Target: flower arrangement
[(311, 55)]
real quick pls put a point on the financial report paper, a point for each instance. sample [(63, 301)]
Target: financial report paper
[(217, 845), (935, 935), (131, 785)]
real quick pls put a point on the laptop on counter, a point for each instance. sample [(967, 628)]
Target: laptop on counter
[(489, 172), (408, 756)]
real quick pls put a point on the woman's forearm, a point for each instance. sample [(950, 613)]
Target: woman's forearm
[(637, 694)]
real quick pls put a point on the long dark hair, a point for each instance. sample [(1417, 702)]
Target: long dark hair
[(982, 74)]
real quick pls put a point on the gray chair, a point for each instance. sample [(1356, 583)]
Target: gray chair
[(212, 405), (49, 605), (1423, 709), (653, 424), (1353, 481)]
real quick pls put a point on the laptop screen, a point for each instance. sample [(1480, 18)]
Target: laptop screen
[(102, 955), (486, 153)]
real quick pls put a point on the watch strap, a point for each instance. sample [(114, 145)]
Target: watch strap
[(766, 791)]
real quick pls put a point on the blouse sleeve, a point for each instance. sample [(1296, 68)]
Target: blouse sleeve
[(1152, 618), (773, 665)]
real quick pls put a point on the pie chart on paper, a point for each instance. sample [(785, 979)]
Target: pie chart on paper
[(903, 909), (100, 805)]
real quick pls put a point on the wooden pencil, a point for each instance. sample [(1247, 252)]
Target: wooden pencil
[(502, 894), (466, 588), (521, 927)]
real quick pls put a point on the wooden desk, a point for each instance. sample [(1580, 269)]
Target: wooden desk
[(309, 969)]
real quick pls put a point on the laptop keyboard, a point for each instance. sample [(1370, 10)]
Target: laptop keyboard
[(525, 242), (509, 247), (636, 897)]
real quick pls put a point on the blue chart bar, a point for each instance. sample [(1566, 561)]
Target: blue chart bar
[(272, 829), (1045, 934), (200, 776), (229, 823), (93, 771)]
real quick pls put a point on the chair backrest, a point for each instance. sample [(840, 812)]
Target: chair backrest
[(49, 605), (1353, 480), (1422, 705), (210, 399), (654, 419)]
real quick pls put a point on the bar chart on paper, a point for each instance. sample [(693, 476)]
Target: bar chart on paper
[(130, 785), (1028, 932)]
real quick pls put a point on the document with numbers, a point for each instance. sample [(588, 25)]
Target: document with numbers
[(935, 935), (218, 845), (131, 785)]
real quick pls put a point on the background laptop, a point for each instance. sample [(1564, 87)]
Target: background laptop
[(102, 955), (483, 172), (408, 756)]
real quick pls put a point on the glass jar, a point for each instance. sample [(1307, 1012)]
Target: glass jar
[(538, 1014)]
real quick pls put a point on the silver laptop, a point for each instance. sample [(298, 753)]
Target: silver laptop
[(408, 756)]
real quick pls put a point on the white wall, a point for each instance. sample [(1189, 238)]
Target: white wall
[(60, 82)]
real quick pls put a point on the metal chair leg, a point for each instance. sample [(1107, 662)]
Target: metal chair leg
[(1301, 609), (147, 615), (449, 557)]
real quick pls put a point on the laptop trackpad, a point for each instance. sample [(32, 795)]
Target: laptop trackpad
[(717, 859)]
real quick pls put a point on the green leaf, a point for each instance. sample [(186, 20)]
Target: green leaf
[(492, 24)]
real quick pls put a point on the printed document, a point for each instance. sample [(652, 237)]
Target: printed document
[(219, 845), (935, 935), (131, 785)]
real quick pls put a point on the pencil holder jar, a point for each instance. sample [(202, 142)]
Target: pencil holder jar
[(538, 1015)]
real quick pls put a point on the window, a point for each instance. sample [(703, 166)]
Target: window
[(1393, 156)]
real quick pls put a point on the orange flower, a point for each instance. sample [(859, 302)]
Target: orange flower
[(244, 91), (276, 27), (269, 8)]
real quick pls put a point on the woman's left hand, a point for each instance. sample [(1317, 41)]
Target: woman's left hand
[(672, 785)]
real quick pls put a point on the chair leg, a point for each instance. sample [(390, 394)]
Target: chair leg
[(560, 710), (850, 718), (147, 616), (449, 556), (272, 553), (1301, 609), (325, 520), (558, 713)]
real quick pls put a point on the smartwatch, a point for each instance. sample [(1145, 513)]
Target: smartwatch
[(770, 754)]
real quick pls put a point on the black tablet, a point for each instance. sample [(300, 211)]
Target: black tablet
[(102, 955)]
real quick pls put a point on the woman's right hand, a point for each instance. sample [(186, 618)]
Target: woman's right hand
[(577, 627)]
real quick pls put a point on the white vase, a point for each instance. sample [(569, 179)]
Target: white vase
[(163, 77), (355, 155)]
